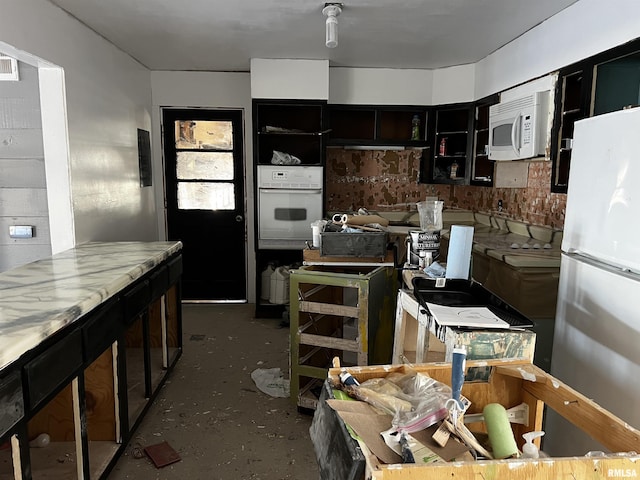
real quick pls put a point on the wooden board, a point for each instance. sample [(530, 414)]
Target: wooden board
[(554, 469), (329, 309), (133, 335), (100, 398), (313, 257), (155, 323), (173, 307), (55, 418)]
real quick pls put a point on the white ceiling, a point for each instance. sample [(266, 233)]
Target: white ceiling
[(213, 35)]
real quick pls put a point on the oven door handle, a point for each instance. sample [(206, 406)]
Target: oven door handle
[(290, 190)]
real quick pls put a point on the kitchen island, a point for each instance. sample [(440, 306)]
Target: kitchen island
[(519, 263), (87, 337)]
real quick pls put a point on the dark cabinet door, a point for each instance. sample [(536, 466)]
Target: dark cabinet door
[(482, 169), (573, 102)]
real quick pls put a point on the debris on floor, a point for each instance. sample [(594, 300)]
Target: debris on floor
[(162, 454), (271, 381)]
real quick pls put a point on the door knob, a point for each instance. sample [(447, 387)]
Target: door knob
[(239, 218)]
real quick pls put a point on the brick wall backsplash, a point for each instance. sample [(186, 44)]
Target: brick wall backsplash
[(388, 180)]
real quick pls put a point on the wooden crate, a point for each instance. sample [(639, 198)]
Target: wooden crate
[(512, 382)]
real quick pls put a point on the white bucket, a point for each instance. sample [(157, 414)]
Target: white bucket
[(265, 284), (280, 286), (317, 228)]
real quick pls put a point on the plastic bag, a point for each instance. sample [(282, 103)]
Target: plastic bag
[(271, 382), (416, 401), (281, 158)]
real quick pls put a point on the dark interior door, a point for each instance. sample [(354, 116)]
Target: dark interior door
[(205, 203)]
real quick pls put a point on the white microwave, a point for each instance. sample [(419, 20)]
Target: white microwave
[(518, 128)]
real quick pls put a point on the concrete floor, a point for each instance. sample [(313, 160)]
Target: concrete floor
[(211, 412)]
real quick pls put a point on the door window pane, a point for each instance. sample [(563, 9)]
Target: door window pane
[(205, 135), (204, 166), (206, 196)]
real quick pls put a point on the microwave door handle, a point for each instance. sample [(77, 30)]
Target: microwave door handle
[(515, 135)]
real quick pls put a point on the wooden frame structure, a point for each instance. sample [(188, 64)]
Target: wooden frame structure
[(513, 382)]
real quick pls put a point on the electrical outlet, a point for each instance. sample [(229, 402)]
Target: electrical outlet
[(21, 231), (499, 205)]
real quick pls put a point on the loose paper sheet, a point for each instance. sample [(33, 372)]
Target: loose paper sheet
[(471, 317)]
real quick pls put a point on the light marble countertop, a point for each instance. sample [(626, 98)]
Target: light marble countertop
[(40, 298)]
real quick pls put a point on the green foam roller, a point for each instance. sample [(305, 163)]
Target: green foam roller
[(501, 436)]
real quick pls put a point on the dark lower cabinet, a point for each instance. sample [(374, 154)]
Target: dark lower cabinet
[(83, 392), (53, 368), (11, 401)]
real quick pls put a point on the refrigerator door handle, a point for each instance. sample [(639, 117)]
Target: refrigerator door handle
[(596, 262)]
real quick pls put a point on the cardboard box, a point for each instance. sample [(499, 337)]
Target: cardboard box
[(511, 383)]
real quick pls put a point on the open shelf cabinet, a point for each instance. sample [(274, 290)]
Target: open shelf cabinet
[(451, 145)]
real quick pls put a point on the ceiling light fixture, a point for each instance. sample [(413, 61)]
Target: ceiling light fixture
[(331, 11)]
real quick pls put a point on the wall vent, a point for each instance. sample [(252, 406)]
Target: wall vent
[(8, 68)]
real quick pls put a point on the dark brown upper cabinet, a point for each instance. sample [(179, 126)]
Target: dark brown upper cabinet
[(482, 169), (606, 82), (572, 104), (295, 127), (452, 143), (377, 126)]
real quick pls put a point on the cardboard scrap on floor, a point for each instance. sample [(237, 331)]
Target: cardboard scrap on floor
[(368, 424), (162, 454)]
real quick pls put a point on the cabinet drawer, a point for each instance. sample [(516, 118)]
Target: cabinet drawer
[(11, 402), (53, 368), (175, 269), (102, 329), (136, 299), (159, 281)]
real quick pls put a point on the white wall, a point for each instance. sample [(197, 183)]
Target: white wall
[(289, 78), (453, 84), (580, 31), (23, 189), (208, 90), (108, 97), (380, 86)]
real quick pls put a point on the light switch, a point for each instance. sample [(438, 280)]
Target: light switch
[(21, 231)]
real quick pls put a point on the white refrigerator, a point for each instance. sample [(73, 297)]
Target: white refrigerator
[(596, 347)]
